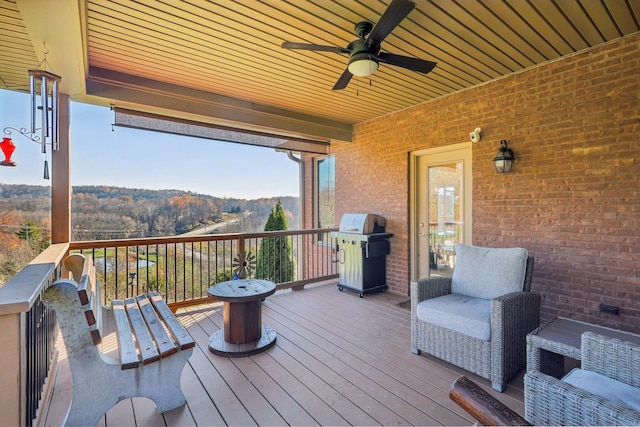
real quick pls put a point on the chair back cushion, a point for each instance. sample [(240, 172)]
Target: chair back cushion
[(488, 273)]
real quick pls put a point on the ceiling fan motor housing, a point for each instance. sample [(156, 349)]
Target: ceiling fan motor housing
[(363, 59), (363, 28)]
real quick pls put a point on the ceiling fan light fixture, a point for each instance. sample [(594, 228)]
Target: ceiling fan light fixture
[(363, 64)]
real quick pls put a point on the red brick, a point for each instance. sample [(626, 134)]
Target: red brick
[(572, 199)]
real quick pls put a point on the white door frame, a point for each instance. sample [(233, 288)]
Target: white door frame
[(457, 152)]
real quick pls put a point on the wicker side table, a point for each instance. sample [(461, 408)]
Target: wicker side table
[(548, 345)]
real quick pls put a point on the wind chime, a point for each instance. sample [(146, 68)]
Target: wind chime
[(45, 118)]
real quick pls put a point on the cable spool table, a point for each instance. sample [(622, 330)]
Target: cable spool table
[(243, 333)]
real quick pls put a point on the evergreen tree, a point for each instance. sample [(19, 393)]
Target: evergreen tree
[(30, 232), (274, 261), (32, 235)]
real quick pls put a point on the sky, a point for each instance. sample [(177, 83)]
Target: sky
[(102, 154)]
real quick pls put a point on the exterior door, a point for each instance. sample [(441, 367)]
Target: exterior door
[(441, 213)]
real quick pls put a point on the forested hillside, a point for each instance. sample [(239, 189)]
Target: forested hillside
[(101, 212)]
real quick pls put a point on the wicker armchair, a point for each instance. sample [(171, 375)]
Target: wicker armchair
[(606, 393), (478, 319)]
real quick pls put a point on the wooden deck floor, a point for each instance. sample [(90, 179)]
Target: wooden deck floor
[(338, 360)]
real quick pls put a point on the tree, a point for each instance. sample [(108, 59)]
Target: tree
[(14, 258), (30, 232), (274, 261)]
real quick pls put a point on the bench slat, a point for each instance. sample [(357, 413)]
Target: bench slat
[(89, 311), (87, 285), (92, 313), (178, 331), (164, 343), (97, 307), (127, 348), (147, 347), (96, 336), (88, 293)]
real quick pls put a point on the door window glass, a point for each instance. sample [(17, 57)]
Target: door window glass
[(445, 216)]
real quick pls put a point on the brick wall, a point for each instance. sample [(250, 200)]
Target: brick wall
[(572, 198)]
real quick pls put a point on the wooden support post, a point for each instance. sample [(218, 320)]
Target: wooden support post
[(61, 179)]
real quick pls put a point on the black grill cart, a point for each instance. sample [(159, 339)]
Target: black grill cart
[(361, 246)]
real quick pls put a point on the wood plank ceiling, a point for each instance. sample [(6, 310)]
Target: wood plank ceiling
[(232, 48)]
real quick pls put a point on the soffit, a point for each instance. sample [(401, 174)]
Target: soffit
[(232, 49)]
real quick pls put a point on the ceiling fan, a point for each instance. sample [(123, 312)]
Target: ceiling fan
[(364, 53)]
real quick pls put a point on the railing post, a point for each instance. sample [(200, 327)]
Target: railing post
[(241, 249), (301, 265), (241, 244), (12, 393)]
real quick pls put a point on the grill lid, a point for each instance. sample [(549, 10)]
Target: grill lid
[(362, 223)]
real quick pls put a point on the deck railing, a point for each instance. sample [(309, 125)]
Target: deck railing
[(181, 268), (27, 338)]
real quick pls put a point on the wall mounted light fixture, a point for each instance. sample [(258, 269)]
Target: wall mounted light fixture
[(504, 159)]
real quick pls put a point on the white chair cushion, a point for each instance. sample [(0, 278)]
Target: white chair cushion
[(488, 272), (605, 387), (461, 313)]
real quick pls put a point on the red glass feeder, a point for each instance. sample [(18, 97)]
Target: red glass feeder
[(7, 148)]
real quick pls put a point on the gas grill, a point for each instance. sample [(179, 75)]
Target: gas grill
[(361, 246)]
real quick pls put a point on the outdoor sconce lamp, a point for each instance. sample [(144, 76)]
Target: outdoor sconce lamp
[(504, 159)]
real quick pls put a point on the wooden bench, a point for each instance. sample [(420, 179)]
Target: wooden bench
[(153, 346)]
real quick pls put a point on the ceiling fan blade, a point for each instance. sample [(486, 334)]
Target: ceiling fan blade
[(343, 81), (395, 13), (414, 64), (307, 46)]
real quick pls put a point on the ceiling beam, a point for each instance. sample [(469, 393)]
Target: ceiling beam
[(142, 94)]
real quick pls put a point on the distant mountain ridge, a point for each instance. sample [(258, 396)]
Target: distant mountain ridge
[(105, 191), (104, 212), (136, 212)]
